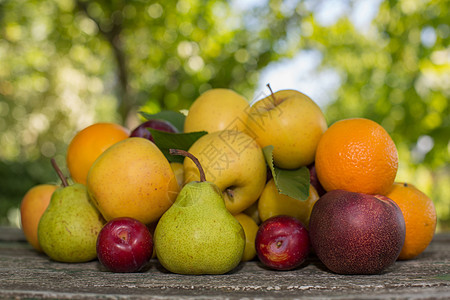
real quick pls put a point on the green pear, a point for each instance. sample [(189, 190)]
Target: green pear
[(197, 234), (68, 229)]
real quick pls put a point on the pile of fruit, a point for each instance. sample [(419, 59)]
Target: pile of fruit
[(231, 182)]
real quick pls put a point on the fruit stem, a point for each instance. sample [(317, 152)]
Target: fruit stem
[(274, 104), (194, 159), (59, 172), (271, 92)]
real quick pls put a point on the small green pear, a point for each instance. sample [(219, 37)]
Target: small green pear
[(197, 234), (68, 229)]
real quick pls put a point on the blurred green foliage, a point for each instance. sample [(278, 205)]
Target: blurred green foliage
[(65, 64)]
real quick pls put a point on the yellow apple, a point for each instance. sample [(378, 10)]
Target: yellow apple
[(234, 162), (217, 109), (133, 179), (252, 212), (33, 205), (178, 170), (272, 203), (292, 123), (250, 230)]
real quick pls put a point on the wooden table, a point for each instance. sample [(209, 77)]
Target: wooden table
[(24, 273)]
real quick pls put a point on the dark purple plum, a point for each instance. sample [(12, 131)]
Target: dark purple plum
[(142, 129), (355, 233), (315, 181)]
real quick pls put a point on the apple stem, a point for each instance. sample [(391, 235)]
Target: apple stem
[(59, 172), (194, 159), (271, 93)]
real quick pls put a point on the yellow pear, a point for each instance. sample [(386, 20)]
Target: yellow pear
[(132, 179)]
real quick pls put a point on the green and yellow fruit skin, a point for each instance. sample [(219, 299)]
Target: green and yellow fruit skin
[(68, 229), (197, 235)]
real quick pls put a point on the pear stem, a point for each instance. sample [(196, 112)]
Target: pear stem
[(59, 172), (194, 159)]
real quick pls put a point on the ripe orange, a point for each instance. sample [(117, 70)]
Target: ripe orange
[(32, 207), (88, 144), (356, 155), (420, 218)]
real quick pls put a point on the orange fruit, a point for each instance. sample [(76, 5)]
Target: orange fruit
[(87, 145), (32, 207), (356, 155), (420, 218)]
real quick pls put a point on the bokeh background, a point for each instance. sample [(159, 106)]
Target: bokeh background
[(65, 64)]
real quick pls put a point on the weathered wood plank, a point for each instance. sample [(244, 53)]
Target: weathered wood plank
[(24, 273)]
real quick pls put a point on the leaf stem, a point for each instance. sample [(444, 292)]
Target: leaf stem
[(194, 159)]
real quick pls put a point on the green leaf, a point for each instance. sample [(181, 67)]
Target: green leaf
[(293, 183), (173, 117), (167, 140), (269, 158)]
